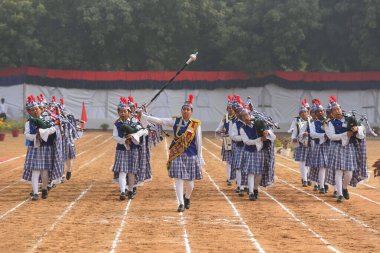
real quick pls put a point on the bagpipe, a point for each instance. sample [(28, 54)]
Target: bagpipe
[(261, 116), (354, 118), (128, 128)]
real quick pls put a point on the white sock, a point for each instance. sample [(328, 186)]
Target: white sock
[(257, 181), (189, 187), (321, 177), (228, 169), (347, 179), (122, 181), (303, 170), (338, 181), (35, 179), (44, 178), (131, 181), (251, 182), (238, 178), (69, 164), (179, 190)]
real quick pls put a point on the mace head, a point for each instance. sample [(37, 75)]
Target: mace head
[(193, 57)]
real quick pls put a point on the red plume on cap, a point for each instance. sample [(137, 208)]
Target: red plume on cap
[(304, 100), (39, 99), (238, 99), (333, 98), (191, 98), (229, 98), (62, 102), (54, 98), (130, 98), (33, 98)]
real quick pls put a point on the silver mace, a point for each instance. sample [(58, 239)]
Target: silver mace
[(193, 57)]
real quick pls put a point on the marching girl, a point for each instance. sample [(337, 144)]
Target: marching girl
[(347, 165), (44, 155), (301, 148), (319, 154), (237, 148), (185, 152), (258, 157), (127, 155), (222, 132)]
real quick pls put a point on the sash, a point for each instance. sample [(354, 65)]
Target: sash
[(183, 141)]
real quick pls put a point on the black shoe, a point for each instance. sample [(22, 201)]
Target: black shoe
[(187, 202), (134, 190), (35, 197), (246, 190), (241, 193), (335, 194), (326, 188), (237, 190), (340, 199), (131, 195), (346, 195), (309, 183), (68, 175), (316, 187), (229, 183), (44, 194), (122, 196), (252, 197), (181, 208), (256, 193), (322, 191), (304, 184)]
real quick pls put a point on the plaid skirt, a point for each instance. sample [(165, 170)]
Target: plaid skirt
[(69, 151), (41, 158), (144, 173), (185, 167), (126, 161), (253, 162), (226, 155), (300, 153), (236, 156), (360, 172), (313, 174), (343, 157), (318, 157)]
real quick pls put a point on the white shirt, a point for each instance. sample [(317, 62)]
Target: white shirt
[(135, 137), (3, 108), (330, 131), (169, 122), (315, 135)]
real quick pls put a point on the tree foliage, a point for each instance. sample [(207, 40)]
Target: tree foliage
[(248, 35)]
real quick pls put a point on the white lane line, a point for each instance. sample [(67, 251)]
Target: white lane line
[(63, 214), (213, 143), (367, 185), (23, 202), (353, 193), (6, 187), (335, 209), (12, 159), (96, 146), (182, 222), (250, 234), (5, 172), (116, 241), (91, 161), (14, 208), (88, 141), (315, 234)]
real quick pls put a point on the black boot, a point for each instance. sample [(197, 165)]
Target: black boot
[(122, 196), (68, 175), (130, 195), (256, 193), (134, 191), (346, 195), (35, 197), (335, 194), (187, 202), (340, 199), (237, 190), (44, 194), (252, 197), (326, 188), (241, 192), (304, 183), (181, 208)]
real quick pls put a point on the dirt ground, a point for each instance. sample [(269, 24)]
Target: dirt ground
[(85, 214)]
